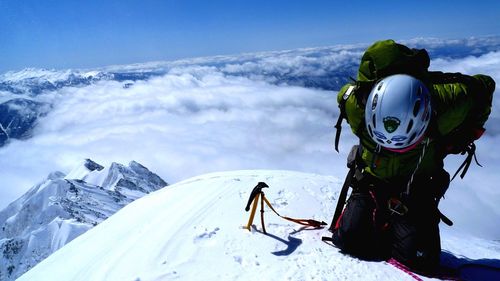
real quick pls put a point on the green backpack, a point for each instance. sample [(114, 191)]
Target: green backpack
[(385, 58), (461, 106), (382, 59)]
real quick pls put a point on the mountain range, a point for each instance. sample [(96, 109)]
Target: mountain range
[(62, 207), (22, 100)]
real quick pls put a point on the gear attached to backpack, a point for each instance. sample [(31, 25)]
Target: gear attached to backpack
[(471, 153)]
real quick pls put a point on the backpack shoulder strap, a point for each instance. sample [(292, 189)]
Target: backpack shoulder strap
[(360, 90), (352, 164), (342, 114)]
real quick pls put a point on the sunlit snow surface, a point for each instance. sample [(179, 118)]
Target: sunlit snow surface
[(193, 230)]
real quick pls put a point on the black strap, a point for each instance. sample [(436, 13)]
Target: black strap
[(338, 126), (342, 114), (351, 164), (342, 198), (471, 153), (327, 239), (444, 218)]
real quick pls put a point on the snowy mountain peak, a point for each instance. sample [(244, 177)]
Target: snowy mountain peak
[(48, 75), (92, 166), (81, 170), (187, 231), (62, 207), (133, 180), (55, 175)]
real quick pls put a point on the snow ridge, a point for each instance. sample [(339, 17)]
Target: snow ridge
[(193, 230), (62, 207)]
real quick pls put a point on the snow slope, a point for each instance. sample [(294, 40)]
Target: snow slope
[(193, 231), (62, 207)]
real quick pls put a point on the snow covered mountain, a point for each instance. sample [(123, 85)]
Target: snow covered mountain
[(32, 81), (326, 68), (62, 207), (193, 230), (18, 117)]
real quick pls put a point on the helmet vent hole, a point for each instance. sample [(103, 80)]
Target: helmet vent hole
[(370, 131), (421, 131), (373, 122), (410, 125), (380, 86), (412, 137), (416, 108)]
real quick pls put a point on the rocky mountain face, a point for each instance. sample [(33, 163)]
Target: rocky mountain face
[(18, 117), (62, 207)]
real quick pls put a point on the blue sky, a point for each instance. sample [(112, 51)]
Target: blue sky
[(84, 34)]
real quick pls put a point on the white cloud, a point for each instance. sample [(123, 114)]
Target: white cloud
[(473, 202), (488, 64), (179, 125), (197, 119)]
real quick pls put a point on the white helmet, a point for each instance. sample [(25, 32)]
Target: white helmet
[(397, 112)]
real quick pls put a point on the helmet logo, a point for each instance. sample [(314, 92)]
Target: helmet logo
[(391, 124)]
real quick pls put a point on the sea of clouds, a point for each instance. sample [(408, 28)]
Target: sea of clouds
[(229, 113)]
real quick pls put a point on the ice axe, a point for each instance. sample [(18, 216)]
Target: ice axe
[(256, 190), (254, 197)]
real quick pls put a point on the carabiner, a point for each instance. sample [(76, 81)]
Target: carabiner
[(396, 206)]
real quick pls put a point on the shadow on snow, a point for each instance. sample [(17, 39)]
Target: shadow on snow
[(470, 269)]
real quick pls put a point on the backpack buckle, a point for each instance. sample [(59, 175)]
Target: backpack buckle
[(397, 207)]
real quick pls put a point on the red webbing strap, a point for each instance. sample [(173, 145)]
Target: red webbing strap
[(403, 268), (306, 222)]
